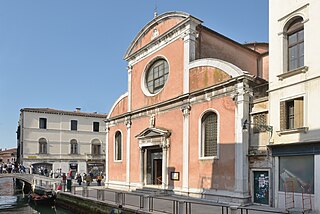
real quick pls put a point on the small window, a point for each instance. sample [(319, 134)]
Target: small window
[(74, 125), (96, 126), (42, 146), (43, 123), (291, 114), (260, 122), (73, 147), (295, 41), (118, 146), (209, 134), (157, 76)]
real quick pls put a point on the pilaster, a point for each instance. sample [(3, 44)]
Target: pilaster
[(107, 155), (242, 100), (189, 37), (128, 125), (185, 170)]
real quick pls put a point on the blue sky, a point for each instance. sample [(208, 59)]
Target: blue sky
[(65, 54)]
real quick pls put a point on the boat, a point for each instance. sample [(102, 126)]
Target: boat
[(43, 196)]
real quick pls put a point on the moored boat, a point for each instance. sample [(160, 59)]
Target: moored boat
[(41, 195)]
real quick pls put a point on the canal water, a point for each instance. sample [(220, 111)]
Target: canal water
[(11, 202)]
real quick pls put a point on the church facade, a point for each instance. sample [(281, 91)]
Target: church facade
[(179, 127)]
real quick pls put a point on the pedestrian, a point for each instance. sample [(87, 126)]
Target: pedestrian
[(99, 179), (117, 210), (88, 179), (79, 179)]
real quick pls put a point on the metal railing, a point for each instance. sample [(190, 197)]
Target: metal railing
[(154, 204)]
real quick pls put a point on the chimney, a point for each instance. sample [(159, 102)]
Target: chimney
[(78, 109)]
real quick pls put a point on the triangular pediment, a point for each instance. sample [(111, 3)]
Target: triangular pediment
[(153, 132)]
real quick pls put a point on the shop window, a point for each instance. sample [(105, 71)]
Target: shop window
[(296, 174)]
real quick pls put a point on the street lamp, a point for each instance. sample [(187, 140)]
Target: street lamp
[(266, 127)]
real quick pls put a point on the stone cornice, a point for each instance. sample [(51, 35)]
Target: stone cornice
[(177, 102), (62, 112)]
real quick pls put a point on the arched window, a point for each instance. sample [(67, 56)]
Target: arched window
[(96, 147), (295, 42), (73, 147), (118, 146), (42, 146), (209, 132), (157, 76)]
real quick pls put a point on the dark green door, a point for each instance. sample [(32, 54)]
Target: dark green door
[(261, 187)]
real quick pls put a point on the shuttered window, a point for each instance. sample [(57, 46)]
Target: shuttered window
[(209, 134), (291, 114)]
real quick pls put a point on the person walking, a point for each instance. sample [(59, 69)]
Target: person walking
[(79, 179)]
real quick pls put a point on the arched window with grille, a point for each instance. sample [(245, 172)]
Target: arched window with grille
[(43, 146), (73, 146), (209, 135), (118, 146)]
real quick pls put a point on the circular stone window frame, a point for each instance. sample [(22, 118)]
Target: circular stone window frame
[(144, 87)]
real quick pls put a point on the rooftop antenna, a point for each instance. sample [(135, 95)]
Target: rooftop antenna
[(155, 12)]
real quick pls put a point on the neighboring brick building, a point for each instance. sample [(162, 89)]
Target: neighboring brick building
[(57, 139), (180, 125)]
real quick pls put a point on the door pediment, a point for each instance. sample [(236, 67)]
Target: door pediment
[(153, 132)]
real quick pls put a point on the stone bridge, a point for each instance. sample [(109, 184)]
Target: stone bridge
[(33, 179)]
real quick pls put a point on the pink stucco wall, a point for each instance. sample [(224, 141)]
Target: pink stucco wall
[(217, 173), (205, 76), (174, 85), (162, 27), (117, 170), (213, 45), (120, 108)]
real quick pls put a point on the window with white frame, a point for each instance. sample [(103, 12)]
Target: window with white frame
[(295, 42), (42, 146), (118, 146), (73, 146), (157, 76), (209, 134)]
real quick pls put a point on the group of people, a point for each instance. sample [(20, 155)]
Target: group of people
[(12, 168), (88, 178)]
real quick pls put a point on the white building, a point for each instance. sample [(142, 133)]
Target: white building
[(65, 140), (294, 96)]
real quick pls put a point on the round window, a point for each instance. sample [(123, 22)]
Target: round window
[(157, 76)]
